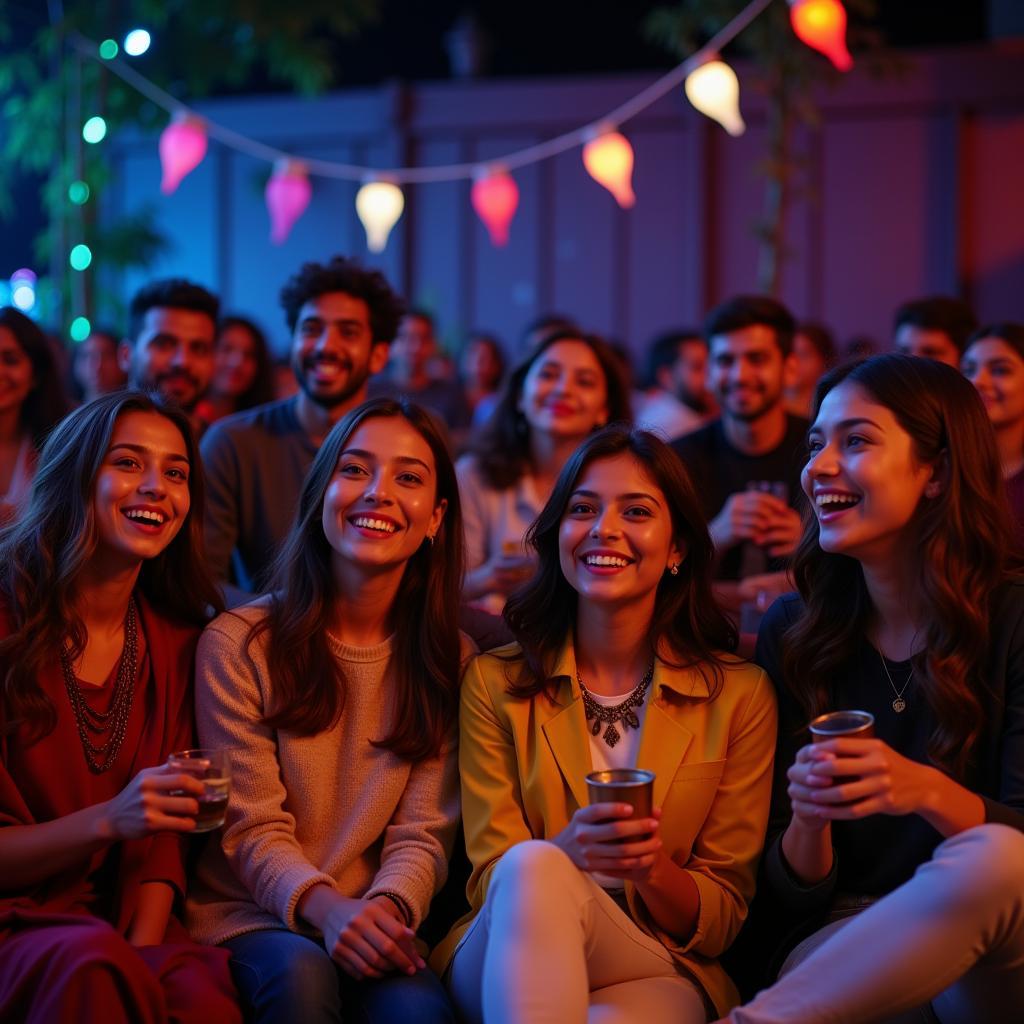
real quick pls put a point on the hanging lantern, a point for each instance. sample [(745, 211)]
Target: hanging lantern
[(495, 197), (287, 194), (714, 90), (821, 24), (182, 148), (379, 205), (609, 161)]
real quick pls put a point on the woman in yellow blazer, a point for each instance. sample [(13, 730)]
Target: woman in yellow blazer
[(582, 912)]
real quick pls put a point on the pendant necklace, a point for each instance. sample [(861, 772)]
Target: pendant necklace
[(899, 705), (622, 712)]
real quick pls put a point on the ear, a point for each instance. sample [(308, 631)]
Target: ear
[(437, 518), (940, 476), (379, 353), (124, 357), (676, 555)]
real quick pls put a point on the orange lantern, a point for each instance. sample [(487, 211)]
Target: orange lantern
[(609, 161), (495, 197), (821, 24)]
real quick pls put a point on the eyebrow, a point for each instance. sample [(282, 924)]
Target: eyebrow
[(405, 460), (630, 496), (143, 450), (846, 424), (347, 320)]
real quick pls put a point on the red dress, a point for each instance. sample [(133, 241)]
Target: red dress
[(63, 955)]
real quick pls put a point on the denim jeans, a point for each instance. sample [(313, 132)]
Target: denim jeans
[(283, 977)]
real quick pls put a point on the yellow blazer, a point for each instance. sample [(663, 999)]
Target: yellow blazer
[(523, 764)]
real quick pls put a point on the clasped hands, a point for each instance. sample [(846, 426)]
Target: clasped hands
[(369, 939), (759, 517), (588, 841)]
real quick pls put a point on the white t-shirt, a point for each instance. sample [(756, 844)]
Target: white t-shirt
[(622, 755)]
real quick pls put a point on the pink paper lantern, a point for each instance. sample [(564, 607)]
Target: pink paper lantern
[(288, 193), (495, 197), (182, 148)]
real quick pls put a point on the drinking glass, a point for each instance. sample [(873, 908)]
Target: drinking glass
[(213, 769)]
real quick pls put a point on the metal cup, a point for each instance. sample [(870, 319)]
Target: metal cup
[(858, 725), (633, 786)]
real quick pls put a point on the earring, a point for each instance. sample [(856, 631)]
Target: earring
[(674, 570), (430, 537)]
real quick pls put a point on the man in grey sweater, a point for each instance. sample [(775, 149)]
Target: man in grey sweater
[(342, 318)]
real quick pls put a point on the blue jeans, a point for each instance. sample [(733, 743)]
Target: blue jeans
[(283, 977)]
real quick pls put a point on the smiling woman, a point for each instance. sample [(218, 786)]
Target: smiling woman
[(102, 593), (339, 692)]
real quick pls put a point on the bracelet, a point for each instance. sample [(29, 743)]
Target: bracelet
[(399, 902)]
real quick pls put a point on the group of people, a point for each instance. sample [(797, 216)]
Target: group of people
[(421, 653)]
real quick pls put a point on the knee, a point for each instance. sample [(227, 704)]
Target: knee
[(990, 862), (96, 946), (289, 975), (535, 864)]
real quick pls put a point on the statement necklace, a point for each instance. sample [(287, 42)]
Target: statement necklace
[(623, 712), (112, 723), (899, 705)]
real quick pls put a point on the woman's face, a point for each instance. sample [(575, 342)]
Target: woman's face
[(616, 539), (141, 496), (565, 393), (381, 504), (863, 478), (997, 371), (234, 362), (96, 367), (481, 366), (16, 376)]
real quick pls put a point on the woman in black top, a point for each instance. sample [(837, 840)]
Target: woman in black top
[(912, 866)]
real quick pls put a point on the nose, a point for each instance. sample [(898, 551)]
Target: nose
[(606, 524), (378, 491), (152, 481), (823, 462)]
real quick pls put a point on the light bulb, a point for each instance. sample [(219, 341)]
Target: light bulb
[(609, 161), (80, 257), (136, 43), (182, 148), (287, 195), (495, 197), (94, 130), (379, 205), (715, 91), (821, 24), (80, 328)]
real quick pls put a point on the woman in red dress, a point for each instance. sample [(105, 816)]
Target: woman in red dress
[(102, 596)]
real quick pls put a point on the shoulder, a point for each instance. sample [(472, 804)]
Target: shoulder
[(495, 668), (235, 625), (699, 442), (273, 419)]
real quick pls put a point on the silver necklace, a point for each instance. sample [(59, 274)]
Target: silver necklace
[(899, 705), (623, 712)]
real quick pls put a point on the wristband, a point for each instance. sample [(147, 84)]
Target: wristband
[(399, 902)]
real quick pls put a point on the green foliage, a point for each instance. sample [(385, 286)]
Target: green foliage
[(48, 89)]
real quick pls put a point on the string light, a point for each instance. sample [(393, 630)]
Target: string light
[(182, 148), (23, 289), (715, 91), (495, 197), (80, 257), (78, 193), (821, 24), (94, 130), (108, 49), (80, 328), (287, 195), (609, 161), (136, 43), (379, 205)]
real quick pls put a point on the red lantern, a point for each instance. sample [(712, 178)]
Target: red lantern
[(287, 194), (182, 148), (821, 24), (495, 197)]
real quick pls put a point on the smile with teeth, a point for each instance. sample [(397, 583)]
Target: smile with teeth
[(832, 501), (146, 516), (606, 560), (369, 523)]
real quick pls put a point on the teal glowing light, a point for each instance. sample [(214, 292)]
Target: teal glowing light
[(94, 130), (80, 328), (79, 192), (136, 43), (108, 49), (81, 257)]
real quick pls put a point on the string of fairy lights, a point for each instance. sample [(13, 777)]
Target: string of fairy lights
[(708, 82)]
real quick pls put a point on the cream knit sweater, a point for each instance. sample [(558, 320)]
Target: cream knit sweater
[(329, 808)]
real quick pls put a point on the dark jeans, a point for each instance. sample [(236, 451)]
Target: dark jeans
[(283, 977)]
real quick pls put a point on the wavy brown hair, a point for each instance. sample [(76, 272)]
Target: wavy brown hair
[(688, 629), (309, 684), (964, 552), (43, 554)]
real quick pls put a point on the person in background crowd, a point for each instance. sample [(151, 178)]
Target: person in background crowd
[(814, 352), (676, 399), (95, 369), (538, 329), (285, 384), (934, 328), (103, 590), (339, 694), (482, 368), (994, 363), (860, 346), (566, 388), (618, 627), (408, 373), (342, 318), (902, 853), (746, 463), (169, 348), (31, 403), (242, 373)]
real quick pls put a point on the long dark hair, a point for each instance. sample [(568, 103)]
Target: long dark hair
[(46, 403), (261, 390), (503, 451), (965, 551), (688, 628), (309, 686), (43, 554)]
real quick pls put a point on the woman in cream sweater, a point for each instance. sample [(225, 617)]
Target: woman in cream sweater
[(339, 694)]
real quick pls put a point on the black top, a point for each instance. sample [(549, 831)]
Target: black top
[(875, 855), (719, 470)]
